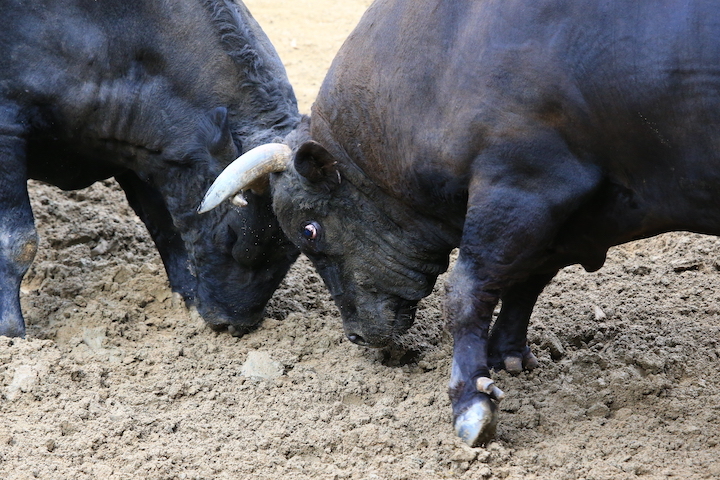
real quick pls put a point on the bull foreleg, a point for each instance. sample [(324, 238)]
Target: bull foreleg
[(508, 346), (470, 310), (526, 190), (473, 292), (150, 207), (18, 238)]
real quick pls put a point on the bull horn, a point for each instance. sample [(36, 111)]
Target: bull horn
[(248, 167)]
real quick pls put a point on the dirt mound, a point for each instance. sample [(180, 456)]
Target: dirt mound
[(116, 380)]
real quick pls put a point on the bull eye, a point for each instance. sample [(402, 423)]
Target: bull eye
[(311, 231)]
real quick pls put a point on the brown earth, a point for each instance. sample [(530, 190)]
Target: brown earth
[(116, 380)]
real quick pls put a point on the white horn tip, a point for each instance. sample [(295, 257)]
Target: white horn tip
[(204, 208), (207, 205)]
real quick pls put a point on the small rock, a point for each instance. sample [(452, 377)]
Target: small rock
[(650, 362), (484, 472), (553, 343), (162, 293), (599, 410), (149, 268), (93, 337), (101, 248), (599, 314), (24, 380), (122, 275), (67, 428), (260, 364), (640, 270), (464, 454)]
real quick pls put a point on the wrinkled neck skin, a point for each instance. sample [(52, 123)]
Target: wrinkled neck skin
[(396, 267), (376, 254)]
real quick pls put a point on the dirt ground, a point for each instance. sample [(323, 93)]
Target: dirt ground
[(117, 380)]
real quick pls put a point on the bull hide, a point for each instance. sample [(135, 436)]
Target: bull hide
[(531, 135), (160, 96)]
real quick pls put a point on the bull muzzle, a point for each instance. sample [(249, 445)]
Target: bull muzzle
[(246, 170)]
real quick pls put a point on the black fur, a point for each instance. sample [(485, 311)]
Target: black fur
[(160, 95), (531, 135)]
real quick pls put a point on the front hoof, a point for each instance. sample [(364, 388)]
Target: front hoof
[(234, 330), (477, 424), (237, 325), (240, 330)]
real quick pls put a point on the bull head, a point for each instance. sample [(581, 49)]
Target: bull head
[(371, 317)]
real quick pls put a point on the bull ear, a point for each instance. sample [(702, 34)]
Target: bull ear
[(317, 165), (219, 135)]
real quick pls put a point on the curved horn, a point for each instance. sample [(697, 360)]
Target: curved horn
[(248, 167)]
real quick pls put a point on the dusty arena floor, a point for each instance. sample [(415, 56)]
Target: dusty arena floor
[(116, 380)]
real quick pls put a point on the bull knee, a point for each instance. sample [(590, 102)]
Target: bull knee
[(27, 248), (18, 249)]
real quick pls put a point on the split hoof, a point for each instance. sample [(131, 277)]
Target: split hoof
[(530, 361), (477, 425)]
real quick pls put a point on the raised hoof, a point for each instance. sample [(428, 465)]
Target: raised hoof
[(476, 426)]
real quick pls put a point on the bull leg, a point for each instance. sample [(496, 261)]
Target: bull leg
[(473, 292), (150, 207), (18, 238), (516, 206), (508, 346), (469, 309)]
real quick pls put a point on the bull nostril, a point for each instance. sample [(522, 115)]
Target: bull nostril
[(356, 339)]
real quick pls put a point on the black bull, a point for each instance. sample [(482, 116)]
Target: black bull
[(531, 134), (160, 95)]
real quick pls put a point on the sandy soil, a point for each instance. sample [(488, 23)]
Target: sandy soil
[(116, 380)]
